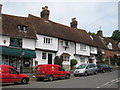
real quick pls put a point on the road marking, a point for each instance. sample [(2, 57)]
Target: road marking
[(112, 81)]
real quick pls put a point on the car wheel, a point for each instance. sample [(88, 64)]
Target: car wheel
[(86, 74), (95, 72), (67, 76), (110, 70), (24, 81), (51, 78), (75, 75), (103, 71)]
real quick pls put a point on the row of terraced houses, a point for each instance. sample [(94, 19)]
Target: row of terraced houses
[(29, 41)]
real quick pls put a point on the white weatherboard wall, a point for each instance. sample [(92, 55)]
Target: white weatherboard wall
[(43, 61), (28, 43), (70, 50), (41, 45), (78, 58), (82, 52), (2, 38)]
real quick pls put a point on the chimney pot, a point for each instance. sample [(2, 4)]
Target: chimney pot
[(74, 23), (0, 8), (45, 13), (100, 33)]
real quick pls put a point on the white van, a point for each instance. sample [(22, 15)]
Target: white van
[(85, 69)]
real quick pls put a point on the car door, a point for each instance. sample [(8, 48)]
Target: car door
[(14, 75), (61, 72), (90, 69), (4, 74)]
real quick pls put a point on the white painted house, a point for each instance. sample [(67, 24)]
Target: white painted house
[(40, 40), (54, 39), (17, 43)]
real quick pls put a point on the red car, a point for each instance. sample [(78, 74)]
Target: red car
[(9, 74), (50, 72)]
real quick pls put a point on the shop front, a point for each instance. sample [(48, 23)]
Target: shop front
[(21, 59)]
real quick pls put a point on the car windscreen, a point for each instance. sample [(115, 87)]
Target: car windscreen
[(81, 66), (102, 65)]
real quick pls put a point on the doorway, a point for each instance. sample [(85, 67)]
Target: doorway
[(49, 58)]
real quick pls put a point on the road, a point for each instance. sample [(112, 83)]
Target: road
[(101, 80)]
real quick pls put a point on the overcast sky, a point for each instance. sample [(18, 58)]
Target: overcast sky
[(91, 15)]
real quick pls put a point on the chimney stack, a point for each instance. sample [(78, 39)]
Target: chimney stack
[(100, 33), (74, 23), (0, 9), (45, 13)]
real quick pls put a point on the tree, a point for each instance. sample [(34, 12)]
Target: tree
[(58, 60), (73, 62), (91, 33), (116, 35)]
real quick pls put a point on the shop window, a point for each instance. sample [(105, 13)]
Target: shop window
[(43, 55), (16, 42), (5, 60), (26, 62)]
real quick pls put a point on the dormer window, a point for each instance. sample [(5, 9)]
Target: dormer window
[(22, 28), (109, 46)]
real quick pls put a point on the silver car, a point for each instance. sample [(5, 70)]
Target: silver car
[(85, 69)]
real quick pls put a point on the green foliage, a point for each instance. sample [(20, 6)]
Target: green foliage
[(73, 62), (91, 33), (116, 35), (58, 60), (100, 55), (115, 60)]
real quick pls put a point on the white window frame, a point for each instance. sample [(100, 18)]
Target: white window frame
[(44, 57), (47, 40), (83, 47)]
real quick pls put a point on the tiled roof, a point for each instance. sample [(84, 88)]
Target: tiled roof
[(114, 44), (102, 42), (10, 23), (60, 31)]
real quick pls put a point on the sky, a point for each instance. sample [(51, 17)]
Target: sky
[(92, 15)]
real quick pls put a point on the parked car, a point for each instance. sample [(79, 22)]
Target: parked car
[(85, 69), (50, 72), (9, 74), (104, 67)]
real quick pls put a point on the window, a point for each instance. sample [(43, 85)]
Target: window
[(110, 46), (65, 58), (22, 28), (16, 42), (60, 69), (82, 47), (26, 62), (12, 71), (82, 59), (47, 40), (92, 49), (43, 55), (65, 43)]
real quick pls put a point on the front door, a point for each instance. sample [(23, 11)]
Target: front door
[(49, 58)]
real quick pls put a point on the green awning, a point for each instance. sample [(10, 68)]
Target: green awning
[(17, 52)]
